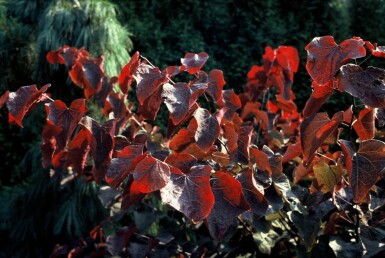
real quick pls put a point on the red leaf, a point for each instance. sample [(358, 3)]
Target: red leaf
[(244, 140), (151, 105), (4, 98), (261, 160), (368, 165), (364, 125), (48, 145), (115, 103), (368, 85), (318, 97), (194, 62), (105, 89), (196, 90), (151, 175), (102, 144), (131, 194), (325, 57), (149, 79), (216, 83), (287, 58), (208, 128), (315, 130), (182, 161), (229, 203), (22, 101), (125, 162), (231, 101), (377, 51), (190, 193), (176, 97), (252, 194), (292, 151), (231, 141), (78, 150), (126, 75), (66, 55), (181, 140), (66, 118)]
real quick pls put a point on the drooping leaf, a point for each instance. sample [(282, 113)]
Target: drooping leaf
[(4, 98), (102, 144), (176, 97), (364, 125), (115, 105), (66, 55), (216, 83), (208, 128), (78, 149), (325, 57), (148, 80), (105, 89), (252, 193), (194, 62), (349, 150), (292, 151), (368, 164), (244, 140), (315, 130), (125, 162), (229, 203), (151, 175), (49, 145), (131, 195), (368, 85), (150, 107), (275, 161), (21, 101), (261, 160), (231, 101), (288, 58), (126, 75), (67, 118), (190, 193), (318, 97), (231, 141), (181, 140), (328, 175)]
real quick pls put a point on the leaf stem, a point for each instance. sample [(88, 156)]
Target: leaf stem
[(366, 59), (48, 97)]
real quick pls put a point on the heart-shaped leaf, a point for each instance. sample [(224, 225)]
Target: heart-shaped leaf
[(368, 85), (126, 75), (208, 128), (176, 97), (194, 62), (190, 193), (325, 57), (364, 125)]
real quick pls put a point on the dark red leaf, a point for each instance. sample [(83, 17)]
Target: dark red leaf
[(315, 130), (216, 83), (48, 146), (368, 85), (66, 55), (244, 140), (364, 125), (349, 151), (231, 101), (21, 101), (182, 161), (106, 88), (325, 57), (131, 194), (151, 105), (102, 144), (4, 98), (190, 193), (229, 203), (368, 165), (195, 151), (78, 150), (149, 80), (252, 193), (231, 141), (292, 151), (208, 128), (151, 175), (261, 160), (126, 75), (125, 162), (194, 62), (66, 118), (171, 71), (176, 97), (318, 97), (181, 140)]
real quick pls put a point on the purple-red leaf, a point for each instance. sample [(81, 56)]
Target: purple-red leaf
[(151, 175), (325, 57), (190, 193), (318, 97), (176, 97), (65, 55), (126, 75), (244, 140), (151, 105), (194, 62), (78, 150), (208, 128), (315, 130), (368, 85), (4, 98), (66, 118), (21, 101), (229, 203), (364, 125), (216, 83), (102, 144), (148, 80), (182, 161)]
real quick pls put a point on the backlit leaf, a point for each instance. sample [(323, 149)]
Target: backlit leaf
[(126, 75), (208, 128), (216, 83), (325, 57), (229, 203), (368, 85), (244, 140), (364, 125), (318, 97), (4, 98), (151, 175), (182, 161), (21, 101), (190, 193), (78, 150), (328, 175), (194, 62)]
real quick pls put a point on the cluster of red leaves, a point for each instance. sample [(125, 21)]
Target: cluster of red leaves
[(217, 163)]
